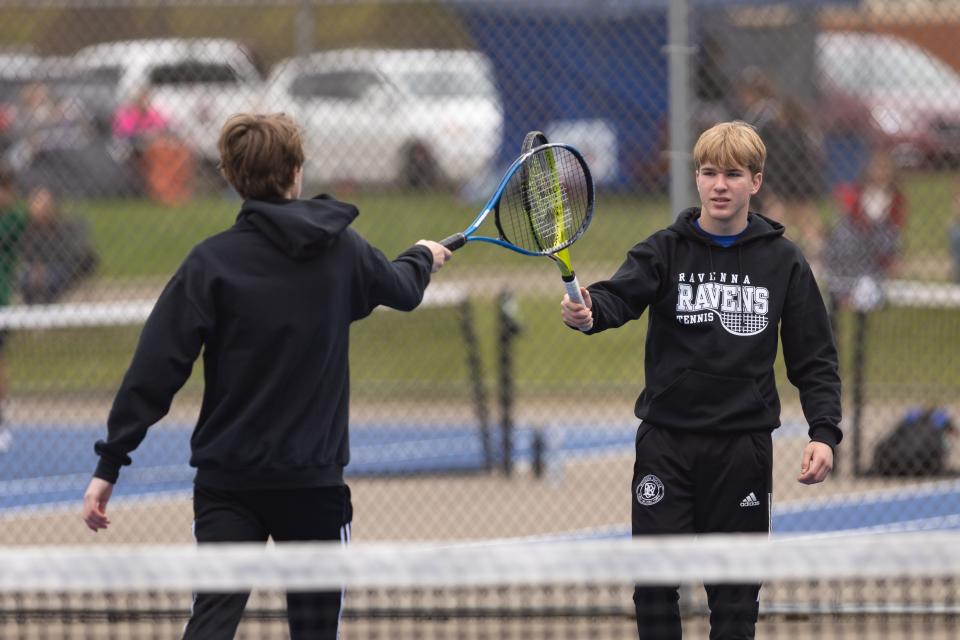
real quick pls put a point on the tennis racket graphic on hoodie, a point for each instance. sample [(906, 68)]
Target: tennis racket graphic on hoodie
[(742, 324)]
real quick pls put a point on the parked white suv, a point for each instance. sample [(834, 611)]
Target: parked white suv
[(196, 83), (380, 116)]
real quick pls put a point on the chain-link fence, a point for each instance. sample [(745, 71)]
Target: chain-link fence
[(479, 414)]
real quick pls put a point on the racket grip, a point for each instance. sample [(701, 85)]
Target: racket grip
[(454, 242), (573, 291)]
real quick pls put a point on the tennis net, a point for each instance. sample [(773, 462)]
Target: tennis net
[(857, 586)]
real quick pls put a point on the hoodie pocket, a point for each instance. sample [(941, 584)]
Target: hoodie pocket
[(698, 400)]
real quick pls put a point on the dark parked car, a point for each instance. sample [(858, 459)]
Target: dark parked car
[(55, 129)]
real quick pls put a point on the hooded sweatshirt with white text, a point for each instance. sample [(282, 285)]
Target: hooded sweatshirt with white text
[(714, 314)]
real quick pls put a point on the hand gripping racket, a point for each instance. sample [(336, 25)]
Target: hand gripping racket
[(543, 204)]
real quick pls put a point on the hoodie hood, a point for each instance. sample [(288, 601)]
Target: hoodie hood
[(757, 227), (301, 229)]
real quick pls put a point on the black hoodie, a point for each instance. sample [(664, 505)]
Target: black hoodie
[(270, 302), (712, 328)]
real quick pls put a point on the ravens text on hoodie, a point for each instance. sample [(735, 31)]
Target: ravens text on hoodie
[(270, 302), (712, 329)]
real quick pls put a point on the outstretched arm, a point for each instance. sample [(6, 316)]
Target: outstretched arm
[(624, 297)]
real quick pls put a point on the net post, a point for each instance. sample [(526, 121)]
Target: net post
[(475, 370), (509, 328)]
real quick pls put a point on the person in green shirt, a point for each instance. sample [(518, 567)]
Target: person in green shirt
[(13, 221)]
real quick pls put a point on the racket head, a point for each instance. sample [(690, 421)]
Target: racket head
[(548, 202), (532, 140)]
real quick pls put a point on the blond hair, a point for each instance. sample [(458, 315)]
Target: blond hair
[(731, 144), (260, 153)]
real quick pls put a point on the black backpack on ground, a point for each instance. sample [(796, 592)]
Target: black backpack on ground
[(917, 446)]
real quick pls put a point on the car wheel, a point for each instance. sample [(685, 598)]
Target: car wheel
[(419, 168)]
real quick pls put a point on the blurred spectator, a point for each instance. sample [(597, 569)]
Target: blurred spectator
[(13, 220), (55, 251), (37, 107), (757, 99), (168, 166), (865, 245), (139, 122), (164, 163), (711, 85), (41, 124), (792, 176)]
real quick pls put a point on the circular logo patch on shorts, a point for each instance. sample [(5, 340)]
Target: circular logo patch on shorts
[(649, 490)]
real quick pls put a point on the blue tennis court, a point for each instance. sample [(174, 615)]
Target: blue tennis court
[(50, 465)]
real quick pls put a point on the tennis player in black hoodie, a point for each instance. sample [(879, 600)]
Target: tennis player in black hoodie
[(717, 285), (270, 302)]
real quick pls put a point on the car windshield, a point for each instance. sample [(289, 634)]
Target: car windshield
[(335, 85), (446, 84), (193, 72), (100, 75)]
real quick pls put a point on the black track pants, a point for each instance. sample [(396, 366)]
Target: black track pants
[(688, 483), (286, 515)]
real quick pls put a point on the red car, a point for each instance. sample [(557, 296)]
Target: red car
[(903, 93)]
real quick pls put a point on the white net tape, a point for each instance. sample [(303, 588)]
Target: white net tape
[(660, 560)]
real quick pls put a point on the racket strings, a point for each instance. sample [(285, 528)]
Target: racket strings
[(545, 200), (546, 203)]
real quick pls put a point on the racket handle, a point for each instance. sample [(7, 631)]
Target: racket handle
[(454, 242), (573, 291)]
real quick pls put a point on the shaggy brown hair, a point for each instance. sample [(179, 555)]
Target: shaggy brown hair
[(260, 153)]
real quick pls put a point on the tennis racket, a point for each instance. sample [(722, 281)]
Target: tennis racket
[(544, 172), (543, 204)]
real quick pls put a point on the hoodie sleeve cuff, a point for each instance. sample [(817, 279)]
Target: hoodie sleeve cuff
[(107, 471), (424, 252), (827, 434)]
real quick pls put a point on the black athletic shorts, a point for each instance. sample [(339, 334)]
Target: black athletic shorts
[(691, 482)]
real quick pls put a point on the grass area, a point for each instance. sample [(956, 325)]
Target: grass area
[(137, 238), (397, 354), (931, 208), (906, 348), (421, 355)]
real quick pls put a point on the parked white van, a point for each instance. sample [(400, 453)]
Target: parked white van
[(382, 116)]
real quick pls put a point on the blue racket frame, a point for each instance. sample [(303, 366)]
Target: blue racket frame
[(457, 240)]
